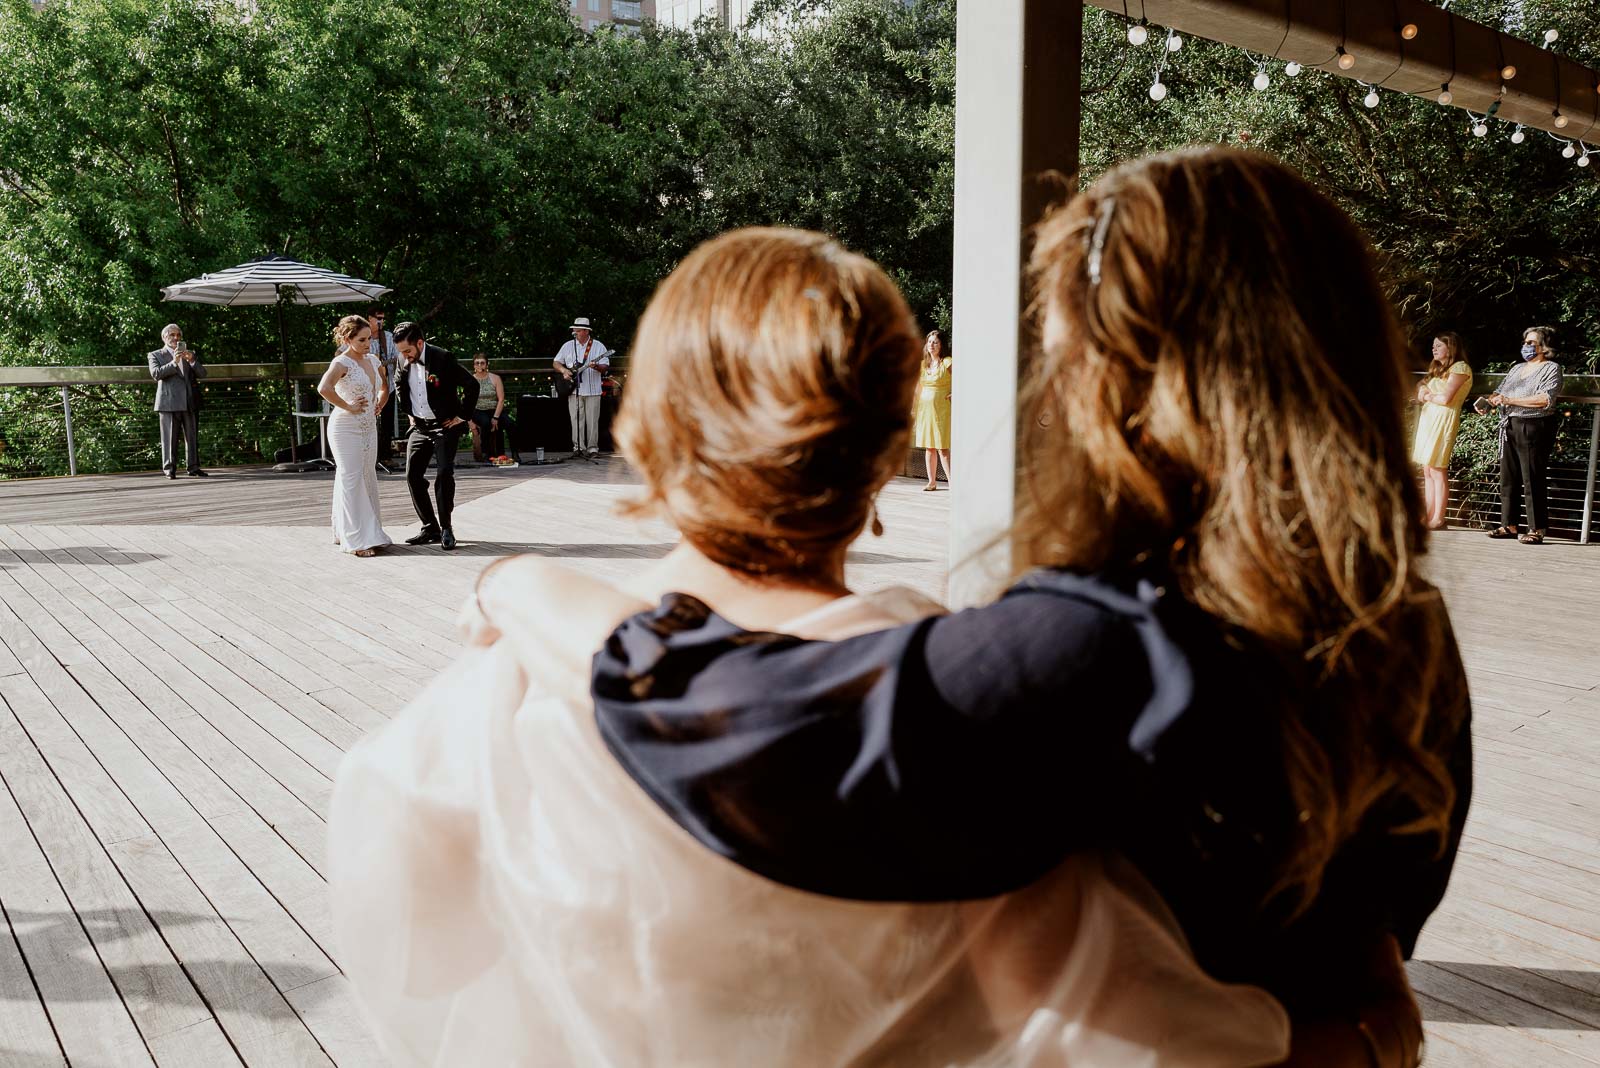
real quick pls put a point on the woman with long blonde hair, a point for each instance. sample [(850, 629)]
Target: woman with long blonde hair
[(1441, 395), (1220, 656)]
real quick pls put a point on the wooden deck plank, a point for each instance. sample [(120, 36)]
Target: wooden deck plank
[(236, 654), (91, 1022), (154, 989), (261, 1024)]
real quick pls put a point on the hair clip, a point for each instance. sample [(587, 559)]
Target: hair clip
[(1097, 245)]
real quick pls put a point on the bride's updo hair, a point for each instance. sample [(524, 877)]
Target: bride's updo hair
[(769, 398), (349, 327)]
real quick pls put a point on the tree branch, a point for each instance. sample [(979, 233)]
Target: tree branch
[(177, 171)]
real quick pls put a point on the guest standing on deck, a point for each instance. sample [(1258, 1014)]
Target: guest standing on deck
[(583, 361), (1526, 400), (177, 372), (1441, 395), (931, 431)]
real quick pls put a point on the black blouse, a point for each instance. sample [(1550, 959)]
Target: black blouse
[(966, 755)]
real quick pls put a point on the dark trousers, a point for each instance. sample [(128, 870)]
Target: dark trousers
[(488, 440), (386, 431), (429, 441), (1523, 464), (175, 427)]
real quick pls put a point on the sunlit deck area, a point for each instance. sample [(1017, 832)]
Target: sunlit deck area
[(183, 664)]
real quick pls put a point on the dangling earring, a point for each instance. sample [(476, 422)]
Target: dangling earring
[(877, 524)]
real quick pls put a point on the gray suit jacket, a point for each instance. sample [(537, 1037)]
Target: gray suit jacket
[(177, 387)]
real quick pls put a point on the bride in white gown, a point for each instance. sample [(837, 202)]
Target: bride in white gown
[(355, 386)]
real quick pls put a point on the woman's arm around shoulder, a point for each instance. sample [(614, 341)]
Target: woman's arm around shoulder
[(912, 763)]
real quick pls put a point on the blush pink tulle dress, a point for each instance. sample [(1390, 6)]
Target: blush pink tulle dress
[(504, 894)]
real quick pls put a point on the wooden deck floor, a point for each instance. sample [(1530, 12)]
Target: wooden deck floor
[(182, 666)]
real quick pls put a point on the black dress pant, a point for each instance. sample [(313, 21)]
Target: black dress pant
[(430, 441), (1524, 462), (386, 431)]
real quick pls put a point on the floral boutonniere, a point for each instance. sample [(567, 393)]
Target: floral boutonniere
[(433, 380)]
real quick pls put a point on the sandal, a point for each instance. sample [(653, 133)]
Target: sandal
[(1532, 537), (365, 552), (930, 487), (1503, 532)]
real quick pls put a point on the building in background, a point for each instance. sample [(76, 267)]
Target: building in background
[(625, 13), (685, 13)]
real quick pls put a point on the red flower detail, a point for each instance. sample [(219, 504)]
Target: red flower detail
[(433, 380)]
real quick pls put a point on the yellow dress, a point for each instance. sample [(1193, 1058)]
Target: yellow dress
[(1436, 426), (931, 430)]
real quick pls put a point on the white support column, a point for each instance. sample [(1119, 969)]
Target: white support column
[(1018, 66)]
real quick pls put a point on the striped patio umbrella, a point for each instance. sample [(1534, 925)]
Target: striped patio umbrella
[(275, 280)]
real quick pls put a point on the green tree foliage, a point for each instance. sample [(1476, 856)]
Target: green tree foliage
[(503, 170), (1476, 235)]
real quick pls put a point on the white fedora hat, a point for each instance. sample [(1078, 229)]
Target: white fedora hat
[(581, 323)]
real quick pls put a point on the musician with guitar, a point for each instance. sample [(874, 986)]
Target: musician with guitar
[(581, 364)]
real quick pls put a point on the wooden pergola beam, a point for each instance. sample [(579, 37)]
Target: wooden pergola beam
[(1448, 49)]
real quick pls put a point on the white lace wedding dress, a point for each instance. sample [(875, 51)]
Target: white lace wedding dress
[(353, 440)]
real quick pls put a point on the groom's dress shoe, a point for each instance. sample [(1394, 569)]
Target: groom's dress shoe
[(427, 537), (448, 539)]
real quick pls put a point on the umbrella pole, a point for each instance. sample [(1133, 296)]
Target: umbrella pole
[(283, 352)]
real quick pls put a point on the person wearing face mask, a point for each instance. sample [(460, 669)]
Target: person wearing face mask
[(1526, 401)]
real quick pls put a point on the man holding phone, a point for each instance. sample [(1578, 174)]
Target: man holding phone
[(177, 372)]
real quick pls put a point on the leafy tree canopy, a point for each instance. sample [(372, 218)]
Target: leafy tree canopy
[(504, 171)]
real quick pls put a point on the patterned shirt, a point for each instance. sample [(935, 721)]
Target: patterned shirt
[(1530, 380)]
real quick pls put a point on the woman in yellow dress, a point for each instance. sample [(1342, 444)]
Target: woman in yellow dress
[(931, 431), (1441, 396)]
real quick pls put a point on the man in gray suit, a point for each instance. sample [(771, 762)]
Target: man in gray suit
[(177, 371)]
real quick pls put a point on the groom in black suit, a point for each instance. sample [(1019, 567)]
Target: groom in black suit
[(436, 395)]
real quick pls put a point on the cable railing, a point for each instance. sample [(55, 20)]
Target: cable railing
[(100, 420), (1571, 482)]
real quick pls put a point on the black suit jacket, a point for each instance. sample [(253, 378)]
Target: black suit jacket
[(447, 377)]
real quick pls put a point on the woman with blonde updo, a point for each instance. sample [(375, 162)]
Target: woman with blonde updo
[(355, 386), (505, 892)]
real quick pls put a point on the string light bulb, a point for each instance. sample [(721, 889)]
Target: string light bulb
[(1292, 69), (1445, 95), (1551, 37), (1517, 136), (1480, 128), (1409, 31), (1138, 34), (1561, 120), (1158, 90), (1174, 42), (1583, 160), (1346, 60), (1262, 82), (1507, 72), (1569, 151), (1371, 99)]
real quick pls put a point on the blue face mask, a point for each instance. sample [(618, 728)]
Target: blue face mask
[(1529, 352)]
